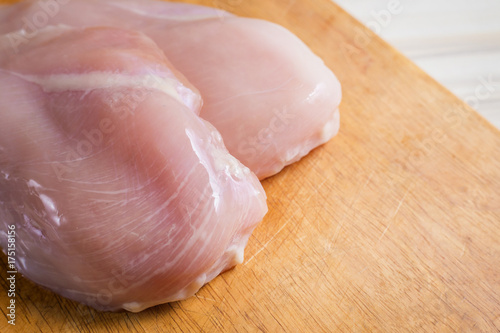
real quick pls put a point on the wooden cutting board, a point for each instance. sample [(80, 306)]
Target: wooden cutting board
[(392, 226)]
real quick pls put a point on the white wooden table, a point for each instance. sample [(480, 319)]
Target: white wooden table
[(456, 42)]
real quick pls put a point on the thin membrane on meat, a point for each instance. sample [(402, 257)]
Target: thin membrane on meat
[(269, 96), (121, 196)]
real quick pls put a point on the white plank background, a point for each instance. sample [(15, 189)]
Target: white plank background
[(456, 42)]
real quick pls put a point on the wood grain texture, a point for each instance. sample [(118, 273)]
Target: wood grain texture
[(392, 226)]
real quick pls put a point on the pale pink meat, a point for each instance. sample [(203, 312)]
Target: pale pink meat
[(121, 196), (270, 97)]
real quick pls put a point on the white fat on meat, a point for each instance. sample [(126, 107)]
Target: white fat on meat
[(122, 197)]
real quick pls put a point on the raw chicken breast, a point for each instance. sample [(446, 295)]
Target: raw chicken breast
[(121, 196), (270, 97)]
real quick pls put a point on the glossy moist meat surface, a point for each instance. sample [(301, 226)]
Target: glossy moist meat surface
[(121, 196), (269, 96)]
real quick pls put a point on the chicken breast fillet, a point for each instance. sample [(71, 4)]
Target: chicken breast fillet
[(270, 97), (120, 195)]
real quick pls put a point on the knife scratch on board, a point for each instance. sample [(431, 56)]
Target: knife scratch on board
[(395, 213), (206, 298), (269, 241), (336, 233)]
